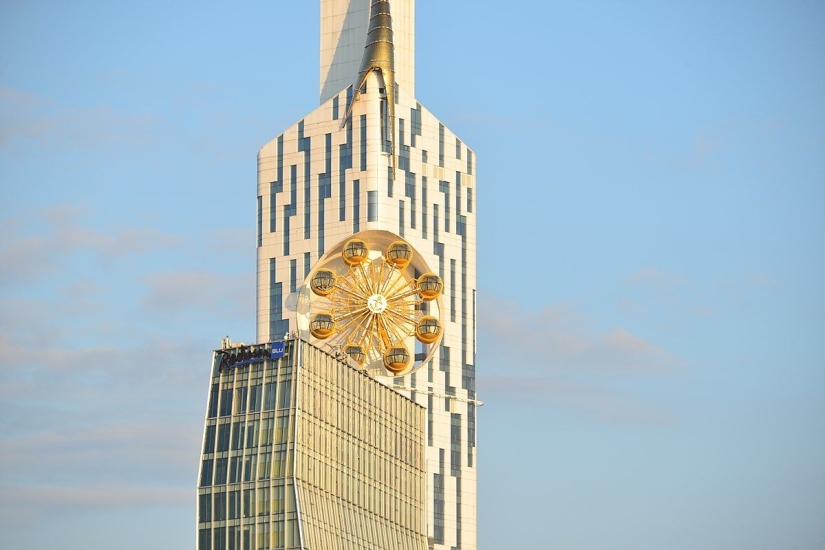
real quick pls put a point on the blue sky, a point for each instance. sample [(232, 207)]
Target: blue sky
[(651, 199)]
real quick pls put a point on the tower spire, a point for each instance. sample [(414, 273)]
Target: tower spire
[(379, 56)]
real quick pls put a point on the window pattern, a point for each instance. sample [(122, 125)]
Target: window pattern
[(437, 206), (324, 459)]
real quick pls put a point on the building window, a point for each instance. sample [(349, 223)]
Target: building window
[(441, 145), (260, 220), (204, 508), (356, 206), (372, 206)]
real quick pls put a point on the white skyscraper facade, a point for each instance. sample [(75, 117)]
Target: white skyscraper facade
[(367, 243)]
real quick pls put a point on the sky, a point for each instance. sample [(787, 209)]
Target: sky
[(651, 258)]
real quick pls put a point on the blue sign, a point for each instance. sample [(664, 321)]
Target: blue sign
[(278, 350)]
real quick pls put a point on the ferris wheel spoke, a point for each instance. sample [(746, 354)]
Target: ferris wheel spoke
[(376, 277), (385, 332), (349, 314), (352, 294), (366, 283), (397, 287), (356, 325), (399, 319), (388, 276), (348, 288), (353, 328), (397, 329), (401, 296)]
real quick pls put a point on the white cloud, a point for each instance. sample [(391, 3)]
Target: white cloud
[(196, 291), (557, 339), (26, 257), (29, 118), (553, 359), (27, 504)]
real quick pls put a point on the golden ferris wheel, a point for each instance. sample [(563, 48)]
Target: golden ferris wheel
[(374, 299)]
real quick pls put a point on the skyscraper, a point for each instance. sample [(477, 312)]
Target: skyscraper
[(366, 248), (302, 451)]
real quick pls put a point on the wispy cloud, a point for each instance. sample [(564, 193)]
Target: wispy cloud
[(558, 339), (27, 118), (654, 277), (592, 400), (501, 123), (555, 359), (27, 503), (29, 256), (189, 291), (702, 152)]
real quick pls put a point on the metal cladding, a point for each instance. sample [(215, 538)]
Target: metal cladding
[(379, 55), (380, 51)]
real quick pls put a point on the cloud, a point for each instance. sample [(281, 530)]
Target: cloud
[(501, 123), (591, 400), (99, 425), (152, 451), (664, 291), (702, 152), (29, 503), (654, 277), (557, 339), (28, 257), (555, 360), (759, 279), (29, 118), (195, 291)]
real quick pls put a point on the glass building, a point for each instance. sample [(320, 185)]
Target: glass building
[(366, 239), (306, 451)]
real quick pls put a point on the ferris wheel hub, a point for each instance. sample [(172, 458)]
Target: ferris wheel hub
[(377, 303)]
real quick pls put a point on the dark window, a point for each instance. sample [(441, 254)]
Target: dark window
[(285, 395), (260, 221), (235, 469), (226, 402), (237, 436), (213, 402), (269, 396), (255, 398), (240, 399), (204, 508), (223, 437), (221, 467), (220, 537), (209, 440), (205, 539), (441, 145), (206, 473), (220, 506), (363, 142), (234, 505)]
